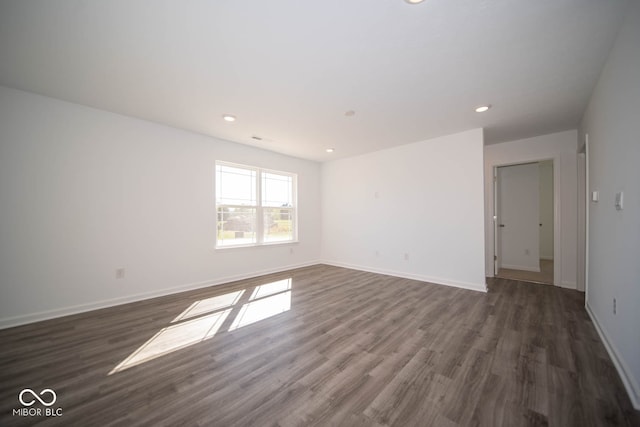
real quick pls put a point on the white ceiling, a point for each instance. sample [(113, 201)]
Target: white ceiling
[(290, 69)]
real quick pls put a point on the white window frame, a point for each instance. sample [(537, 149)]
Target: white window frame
[(260, 229)]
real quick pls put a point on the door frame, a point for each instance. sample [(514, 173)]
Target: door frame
[(557, 233), (496, 243), (583, 234)]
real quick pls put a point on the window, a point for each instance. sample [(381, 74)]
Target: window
[(254, 206)]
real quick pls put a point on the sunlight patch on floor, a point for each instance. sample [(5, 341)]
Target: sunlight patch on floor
[(209, 305), (175, 337), (262, 309), (204, 318)]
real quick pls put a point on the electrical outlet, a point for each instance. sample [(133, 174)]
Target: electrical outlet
[(377, 253), (527, 252), (120, 273), (406, 256), (291, 251), (614, 306)]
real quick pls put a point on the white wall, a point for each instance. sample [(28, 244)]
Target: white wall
[(84, 191), (423, 199), (612, 123), (562, 148), (519, 212), (546, 209)]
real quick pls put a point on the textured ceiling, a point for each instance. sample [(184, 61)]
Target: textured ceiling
[(290, 69)]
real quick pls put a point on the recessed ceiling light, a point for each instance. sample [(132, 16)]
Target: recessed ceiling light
[(350, 113), (329, 150), (482, 108), (229, 117), (414, 1)]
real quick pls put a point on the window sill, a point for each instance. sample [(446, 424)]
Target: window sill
[(261, 245)]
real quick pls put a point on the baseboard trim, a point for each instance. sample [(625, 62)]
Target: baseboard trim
[(568, 285), (630, 384), (435, 280), (82, 308), (546, 258), (520, 267)]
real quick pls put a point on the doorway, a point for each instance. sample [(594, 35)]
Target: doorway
[(524, 211)]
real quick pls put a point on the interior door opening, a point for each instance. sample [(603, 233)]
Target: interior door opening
[(524, 222)]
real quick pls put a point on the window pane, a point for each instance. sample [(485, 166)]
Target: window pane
[(278, 224), (277, 190), (235, 186), (236, 226)]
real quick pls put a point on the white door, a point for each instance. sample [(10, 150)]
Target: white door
[(518, 217)]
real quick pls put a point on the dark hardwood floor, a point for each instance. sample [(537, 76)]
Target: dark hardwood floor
[(321, 346)]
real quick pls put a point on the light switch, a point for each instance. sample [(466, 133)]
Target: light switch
[(595, 196), (619, 200)]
